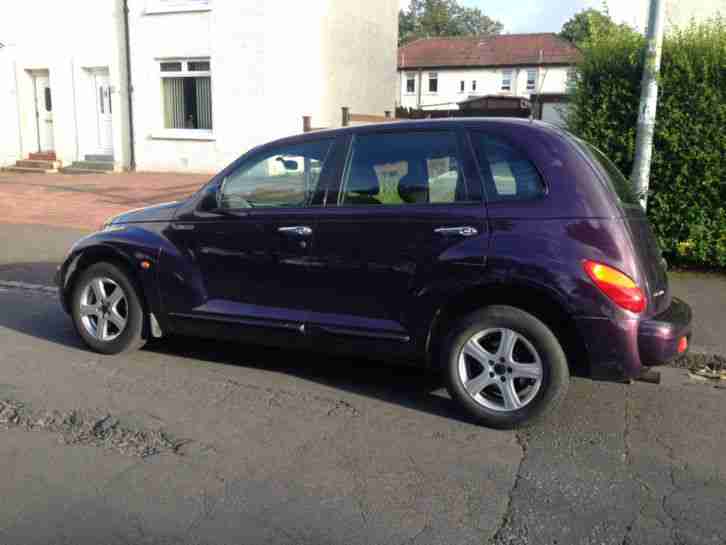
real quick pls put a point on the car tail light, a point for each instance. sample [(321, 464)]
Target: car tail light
[(619, 287), (683, 345)]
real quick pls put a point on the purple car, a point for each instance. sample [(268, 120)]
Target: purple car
[(507, 254)]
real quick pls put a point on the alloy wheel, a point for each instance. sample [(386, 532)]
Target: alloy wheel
[(104, 309), (500, 369)]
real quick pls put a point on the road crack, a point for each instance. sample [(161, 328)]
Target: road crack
[(504, 534)]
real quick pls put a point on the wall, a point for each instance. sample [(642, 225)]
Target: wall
[(9, 127), (551, 79), (272, 61), (75, 37)]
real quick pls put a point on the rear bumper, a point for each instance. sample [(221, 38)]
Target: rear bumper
[(619, 349), (659, 337)]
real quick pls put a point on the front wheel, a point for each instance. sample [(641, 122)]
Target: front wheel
[(505, 367), (107, 311)]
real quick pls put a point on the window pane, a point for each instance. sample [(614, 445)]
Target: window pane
[(187, 103), (404, 168), (48, 102), (283, 177), (174, 110), (508, 174), (198, 66), (461, 86), (433, 82), (410, 85), (171, 66)]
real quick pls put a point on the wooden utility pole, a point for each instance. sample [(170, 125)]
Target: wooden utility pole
[(648, 101)]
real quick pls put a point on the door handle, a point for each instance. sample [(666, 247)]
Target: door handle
[(300, 230), (464, 231)]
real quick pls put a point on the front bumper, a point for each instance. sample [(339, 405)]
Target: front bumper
[(659, 337), (620, 349)]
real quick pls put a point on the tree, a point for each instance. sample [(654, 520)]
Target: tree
[(429, 18), (590, 24)]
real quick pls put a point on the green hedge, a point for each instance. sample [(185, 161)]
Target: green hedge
[(687, 206)]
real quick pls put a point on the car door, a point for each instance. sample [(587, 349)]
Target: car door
[(245, 247), (405, 228)]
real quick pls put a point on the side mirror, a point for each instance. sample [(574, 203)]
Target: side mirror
[(289, 164), (210, 201)]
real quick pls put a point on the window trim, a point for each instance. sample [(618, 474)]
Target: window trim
[(508, 88), (164, 133), (461, 152), (156, 7), (245, 160), (534, 80), (410, 76), (430, 79)]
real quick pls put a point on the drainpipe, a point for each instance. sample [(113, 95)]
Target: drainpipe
[(130, 88)]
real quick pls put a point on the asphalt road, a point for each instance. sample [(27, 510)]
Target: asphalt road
[(286, 447)]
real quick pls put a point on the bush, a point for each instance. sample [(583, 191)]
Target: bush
[(687, 206)]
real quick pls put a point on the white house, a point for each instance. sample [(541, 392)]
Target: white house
[(207, 79), (440, 73)]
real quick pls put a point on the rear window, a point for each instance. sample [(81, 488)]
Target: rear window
[(507, 173), (617, 181)]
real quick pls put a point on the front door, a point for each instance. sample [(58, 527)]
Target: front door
[(104, 125), (250, 249), (43, 112), (406, 230)]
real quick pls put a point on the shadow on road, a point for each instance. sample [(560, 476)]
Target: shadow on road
[(41, 316), (30, 273)]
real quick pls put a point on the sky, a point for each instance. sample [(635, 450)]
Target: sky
[(549, 15)]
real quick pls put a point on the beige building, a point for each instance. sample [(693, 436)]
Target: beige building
[(681, 12)]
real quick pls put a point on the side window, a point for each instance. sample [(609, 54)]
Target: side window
[(507, 172), (286, 176), (404, 168)]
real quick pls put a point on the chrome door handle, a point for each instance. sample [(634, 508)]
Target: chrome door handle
[(465, 231), (300, 230)]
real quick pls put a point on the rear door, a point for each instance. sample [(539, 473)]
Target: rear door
[(405, 226)]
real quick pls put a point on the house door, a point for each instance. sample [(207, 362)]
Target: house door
[(103, 113), (43, 112)]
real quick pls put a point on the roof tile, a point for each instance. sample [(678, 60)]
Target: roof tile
[(501, 50)]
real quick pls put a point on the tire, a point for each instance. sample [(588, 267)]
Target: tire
[(530, 381), (124, 317)]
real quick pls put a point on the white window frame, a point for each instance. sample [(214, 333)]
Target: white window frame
[(436, 78), (162, 133), (176, 6), (532, 72), (507, 77), (410, 76)]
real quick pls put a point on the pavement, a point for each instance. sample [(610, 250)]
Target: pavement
[(274, 446)]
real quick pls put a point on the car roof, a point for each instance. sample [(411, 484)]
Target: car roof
[(423, 124)]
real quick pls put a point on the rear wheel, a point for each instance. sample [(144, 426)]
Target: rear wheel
[(504, 366), (107, 311)]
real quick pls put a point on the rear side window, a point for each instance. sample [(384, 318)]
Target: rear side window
[(404, 168), (507, 172), (617, 181)]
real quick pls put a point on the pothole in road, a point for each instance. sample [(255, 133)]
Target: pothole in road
[(709, 369), (88, 428)]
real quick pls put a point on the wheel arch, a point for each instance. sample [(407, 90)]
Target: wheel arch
[(103, 253), (539, 302)]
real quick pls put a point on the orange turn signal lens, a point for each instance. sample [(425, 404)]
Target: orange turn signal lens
[(618, 287), (683, 345), (146, 265)]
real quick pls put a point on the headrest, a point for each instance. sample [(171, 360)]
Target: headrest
[(363, 180)]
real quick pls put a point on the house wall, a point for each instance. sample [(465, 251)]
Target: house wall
[(551, 79), (9, 127), (67, 57), (272, 61), (679, 13)]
